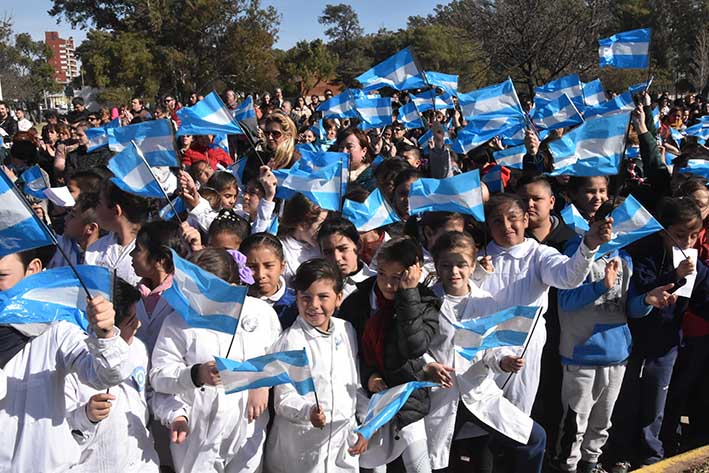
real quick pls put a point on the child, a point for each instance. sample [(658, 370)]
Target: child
[(298, 232), (340, 243), (201, 171), (203, 212), (209, 430), (474, 384), (308, 437), (524, 271), (37, 358), (264, 256), (427, 228), (228, 230), (122, 214), (84, 182), (395, 319), (656, 332), (81, 230), (101, 420), (588, 194)]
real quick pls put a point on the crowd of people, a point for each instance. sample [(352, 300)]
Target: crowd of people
[(612, 364)]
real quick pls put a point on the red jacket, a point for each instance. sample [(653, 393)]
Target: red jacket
[(213, 155)]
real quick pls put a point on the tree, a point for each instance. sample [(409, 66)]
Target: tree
[(700, 66), (305, 65), (346, 41)]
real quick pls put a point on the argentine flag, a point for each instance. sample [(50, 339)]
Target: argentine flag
[(626, 50), (202, 299), (509, 327), (166, 213), (322, 178), (424, 101), (34, 183), (557, 113), (631, 222), (474, 135), (409, 117), (446, 82), (53, 295), (154, 138), (511, 157), (495, 101), (461, 193), (569, 85), (618, 104), (574, 220), (132, 174), (594, 148), (375, 212), (285, 367), (493, 179), (374, 112), (641, 87), (20, 228), (398, 72), (207, 117), (593, 93), (98, 137), (700, 167), (384, 405), (700, 130), (341, 105)]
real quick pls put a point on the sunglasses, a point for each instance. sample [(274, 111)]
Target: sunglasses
[(274, 133)]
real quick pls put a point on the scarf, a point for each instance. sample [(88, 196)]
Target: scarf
[(375, 331)]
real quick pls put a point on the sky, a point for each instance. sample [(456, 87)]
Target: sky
[(299, 17)]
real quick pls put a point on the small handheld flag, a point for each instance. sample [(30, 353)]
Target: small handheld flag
[(34, 182), (626, 50), (133, 174), (461, 193), (573, 218), (98, 137), (207, 117), (154, 138), (373, 213), (511, 157), (398, 72), (631, 222)]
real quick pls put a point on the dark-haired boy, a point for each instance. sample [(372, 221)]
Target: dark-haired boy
[(81, 230)]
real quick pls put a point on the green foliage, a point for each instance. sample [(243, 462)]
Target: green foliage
[(306, 65)]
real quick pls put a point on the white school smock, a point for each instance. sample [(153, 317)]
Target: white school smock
[(35, 435), (107, 252), (121, 442), (473, 383), (296, 252), (293, 443), (523, 275), (349, 283), (219, 435), (71, 249), (150, 324)]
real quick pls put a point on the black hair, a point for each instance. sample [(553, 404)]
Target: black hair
[(25, 151), (221, 181), (678, 211), (497, 200), (406, 175), (86, 204), (87, 180), (315, 270), (77, 101), (218, 262), (134, 207), (691, 185), (298, 210), (263, 239), (389, 168), (451, 241), (124, 296), (356, 193), (403, 250), (43, 253), (158, 238), (336, 224), (579, 182), (527, 179), (227, 221)]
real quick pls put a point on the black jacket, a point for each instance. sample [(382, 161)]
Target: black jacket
[(415, 323)]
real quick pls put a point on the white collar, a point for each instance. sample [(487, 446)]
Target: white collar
[(276, 296), (517, 251)]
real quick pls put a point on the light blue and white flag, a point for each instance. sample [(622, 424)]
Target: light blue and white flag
[(284, 367), (626, 50), (641, 87), (53, 295), (569, 85), (507, 328), (203, 299), (384, 405), (20, 228), (374, 112), (409, 117), (445, 82), (423, 139), (398, 72), (321, 178), (220, 141), (273, 226), (574, 220), (209, 116), (98, 137), (473, 136), (511, 157), (594, 148), (631, 222), (593, 93), (618, 104), (154, 138), (677, 135), (424, 101), (498, 100), (461, 193), (700, 130), (245, 110), (632, 152), (375, 212), (557, 113), (341, 105), (700, 167), (656, 117), (34, 183), (493, 179), (167, 213), (132, 174)]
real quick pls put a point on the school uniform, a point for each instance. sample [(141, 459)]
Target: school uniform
[(349, 282), (35, 434), (293, 443), (107, 252), (523, 275), (71, 249), (121, 442), (220, 439), (202, 215), (296, 252), (152, 310), (283, 302)]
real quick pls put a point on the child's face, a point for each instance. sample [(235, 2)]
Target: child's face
[(226, 240), (252, 197), (389, 275), (143, 265), (13, 271), (701, 197), (589, 198), (507, 224), (317, 303), (228, 197), (683, 234), (342, 251), (74, 226), (451, 225), (401, 198), (267, 269), (203, 171), (105, 215), (74, 189), (454, 269)]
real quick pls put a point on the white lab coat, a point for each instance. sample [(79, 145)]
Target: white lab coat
[(296, 252), (107, 252), (219, 439), (150, 324), (293, 443), (523, 275), (120, 443), (35, 434), (474, 383)]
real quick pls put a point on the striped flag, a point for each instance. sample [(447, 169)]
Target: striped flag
[(34, 183), (461, 193), (398, 72), (374, 112), (700, 167), (631, 222), (570, 85), (207, 117), (557, 113), (593, 93), (132, 174), (511, 157), (573, 218), (154, 138), (626, 50), (98, 137), (409, 117), (445, 82), (375, 212), (618, 104), (424, 101), (341, 105)]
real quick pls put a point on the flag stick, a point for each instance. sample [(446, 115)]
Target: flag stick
[(233, 336), (315, 391), (250, 139), (526, 344), (674, 240), (169, 202)]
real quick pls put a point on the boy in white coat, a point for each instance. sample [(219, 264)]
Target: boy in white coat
[(35, 434), (305, 437)]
